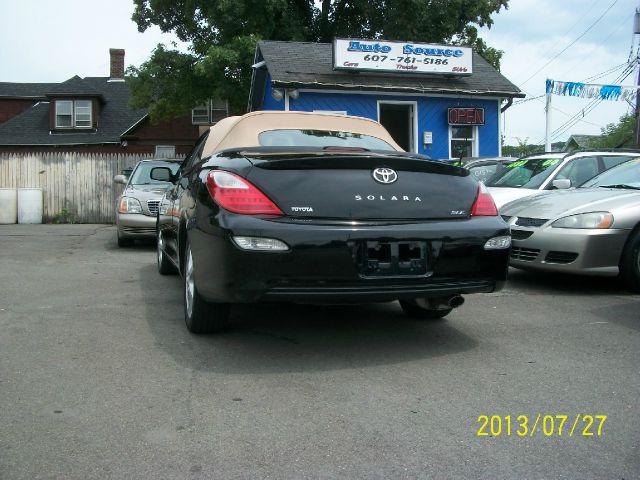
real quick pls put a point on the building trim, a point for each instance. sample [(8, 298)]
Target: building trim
[(393, 89), (394, 94)]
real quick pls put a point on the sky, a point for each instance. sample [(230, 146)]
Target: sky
[(599, 36), (47, 41)]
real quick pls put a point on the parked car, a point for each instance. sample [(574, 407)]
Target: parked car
[(320, 208), (594, 229), (137, 206), (484, 169), (550, 171)]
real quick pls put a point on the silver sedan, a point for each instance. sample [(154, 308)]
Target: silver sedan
[(137, 206), (590, 230)]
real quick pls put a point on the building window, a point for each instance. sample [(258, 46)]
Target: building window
[(73, 114), (210, 112), (463, 141), (82, 113), (200, 115), (165, 151), (64, 114)]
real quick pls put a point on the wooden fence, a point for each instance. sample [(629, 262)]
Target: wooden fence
[(80, 183)]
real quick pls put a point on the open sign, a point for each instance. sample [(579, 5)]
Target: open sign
[(466, 116)]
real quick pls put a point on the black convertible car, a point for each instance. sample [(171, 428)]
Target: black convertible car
[(320, 208)]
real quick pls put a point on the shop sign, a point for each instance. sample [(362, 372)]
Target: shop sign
[(379, 55), (466, 116)]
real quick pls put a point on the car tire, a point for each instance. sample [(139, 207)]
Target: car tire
[(124, 241), (412, 309), (630, 264), (165, 267), (199, 315)]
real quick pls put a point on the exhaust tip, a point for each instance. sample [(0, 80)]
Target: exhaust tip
[(456, 301)]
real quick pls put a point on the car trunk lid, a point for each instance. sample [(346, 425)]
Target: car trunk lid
[(363, 185)]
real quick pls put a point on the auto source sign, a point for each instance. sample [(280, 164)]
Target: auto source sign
[(401, 57)]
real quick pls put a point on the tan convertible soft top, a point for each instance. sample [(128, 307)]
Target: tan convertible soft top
[(240, 132)]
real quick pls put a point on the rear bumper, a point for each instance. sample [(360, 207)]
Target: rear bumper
[(320, 266), (382, 292), (596, 252)]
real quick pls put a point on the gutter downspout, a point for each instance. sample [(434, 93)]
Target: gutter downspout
[(509, 103), (502, 110)]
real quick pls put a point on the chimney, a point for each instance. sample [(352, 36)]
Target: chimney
[(117, 64)]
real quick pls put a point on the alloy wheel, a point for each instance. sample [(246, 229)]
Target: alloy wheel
[(189, 283), (160, 244)]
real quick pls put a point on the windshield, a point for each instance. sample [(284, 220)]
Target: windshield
[(526, 173), (627, 173), (142, 174), (321, 139)]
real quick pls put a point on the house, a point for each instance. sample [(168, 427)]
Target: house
[(578, 142), (92, 114), (443, 101)]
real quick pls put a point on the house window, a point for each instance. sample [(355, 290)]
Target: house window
[(200, 115), (165, 151), (73, 113), (210, 112), (64, 114), (463, 141), (82, 113)]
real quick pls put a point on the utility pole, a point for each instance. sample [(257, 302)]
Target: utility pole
[(636, 31), (547, 126)]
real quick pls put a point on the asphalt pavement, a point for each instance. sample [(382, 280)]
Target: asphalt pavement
[(99, 377)]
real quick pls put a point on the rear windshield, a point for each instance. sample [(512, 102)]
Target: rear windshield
[(142, 174), (321, 139), (627, 173), (528, 173)]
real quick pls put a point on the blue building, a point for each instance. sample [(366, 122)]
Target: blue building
[(443, 111)]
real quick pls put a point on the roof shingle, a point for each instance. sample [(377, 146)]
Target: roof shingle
[(31, 127), (310, 65)]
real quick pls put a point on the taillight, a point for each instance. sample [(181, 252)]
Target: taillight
[(484, 206), (237, 195)]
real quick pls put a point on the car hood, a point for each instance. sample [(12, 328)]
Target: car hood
[(146, 188), (561, 203), (502, 195), (144, 192)]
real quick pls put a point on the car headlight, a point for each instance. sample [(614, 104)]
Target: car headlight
[(585, 220), (129, 205)]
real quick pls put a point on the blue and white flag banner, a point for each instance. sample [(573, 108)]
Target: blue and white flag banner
[(586, 90)]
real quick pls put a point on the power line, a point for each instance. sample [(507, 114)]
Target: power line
[(572, 43), (577, 117), (592, 104), (605, 73), (604, 41), (588, 79), (627, 71)]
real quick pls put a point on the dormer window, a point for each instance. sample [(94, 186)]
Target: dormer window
[(210, 113), (73, 113)]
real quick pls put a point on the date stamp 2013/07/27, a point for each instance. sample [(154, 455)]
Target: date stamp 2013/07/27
[(582, 425)]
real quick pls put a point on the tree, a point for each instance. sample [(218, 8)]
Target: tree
[(523, 148), (617, 135), (222, 35)]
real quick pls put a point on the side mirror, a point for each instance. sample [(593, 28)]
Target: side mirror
[(120, 179), (562, 183), (162, 174)]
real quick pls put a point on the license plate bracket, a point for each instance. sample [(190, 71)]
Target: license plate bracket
[(391, 259)]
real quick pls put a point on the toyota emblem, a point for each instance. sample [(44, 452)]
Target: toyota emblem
[(384, 175)]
